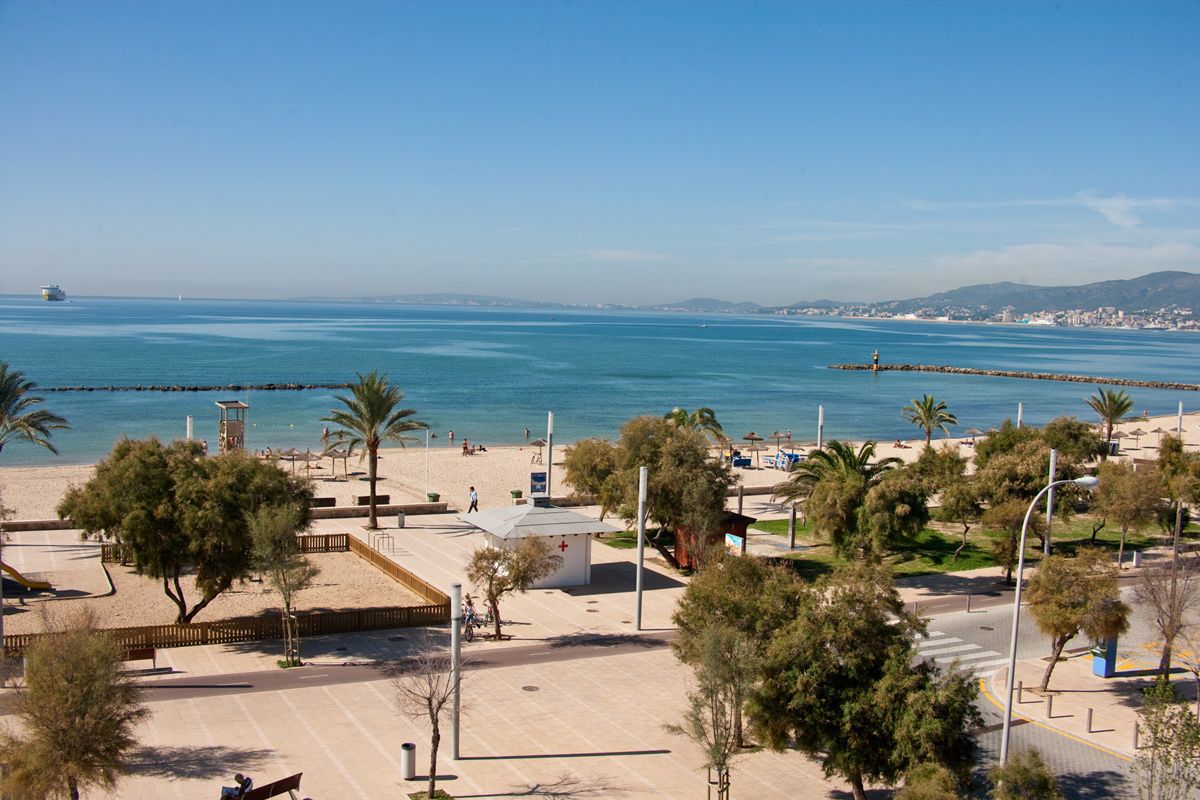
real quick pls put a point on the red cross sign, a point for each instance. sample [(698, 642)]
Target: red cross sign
[(563, 545)]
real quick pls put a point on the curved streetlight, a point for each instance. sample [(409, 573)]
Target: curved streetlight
[(1086, 482)]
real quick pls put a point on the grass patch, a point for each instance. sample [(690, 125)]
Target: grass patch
[(932, 551), (627, 540)]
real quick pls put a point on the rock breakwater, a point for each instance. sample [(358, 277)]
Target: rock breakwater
[(1033, 376), (227, 387)]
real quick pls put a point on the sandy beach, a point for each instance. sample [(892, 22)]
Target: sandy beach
[(34, 492)]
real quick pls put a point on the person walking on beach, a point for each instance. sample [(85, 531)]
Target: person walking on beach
[(474, 496)]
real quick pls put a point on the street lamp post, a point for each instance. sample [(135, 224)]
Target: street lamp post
[(1086, 482)]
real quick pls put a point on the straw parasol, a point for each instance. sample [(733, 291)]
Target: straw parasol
[(539, 444), (1136, 434), (1160, 432), (308, 457), (753, 438), (291, 454), (333, 454), (974, 432)]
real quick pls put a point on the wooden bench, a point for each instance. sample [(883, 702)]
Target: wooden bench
[(141, 654), (380, 499), (289, 786), (323, 502)]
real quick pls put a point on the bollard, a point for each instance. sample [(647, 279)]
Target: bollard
[(1089, 721), (1020, 692), (1049, 706), (968, 602), (400, 519), (1137, 559), (1135, 736), (408, 761)]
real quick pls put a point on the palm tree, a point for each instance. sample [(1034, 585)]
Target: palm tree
[(929, 414), (703, 419), (16, 418), (370, 417), (833, 461), (1111, 405)]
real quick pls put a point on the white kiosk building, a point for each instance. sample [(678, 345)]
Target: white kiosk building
[(569, 533)]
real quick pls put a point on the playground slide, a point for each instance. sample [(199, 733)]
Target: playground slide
[(21, 579)]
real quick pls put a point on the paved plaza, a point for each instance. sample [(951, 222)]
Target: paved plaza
[(573, 705)]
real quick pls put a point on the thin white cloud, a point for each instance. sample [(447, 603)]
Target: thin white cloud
[(1122, 210)]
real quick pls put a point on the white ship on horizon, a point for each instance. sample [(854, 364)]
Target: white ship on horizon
[(51, 291)]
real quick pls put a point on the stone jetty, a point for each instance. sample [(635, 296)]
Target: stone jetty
[(230, 387), (1033, 376)]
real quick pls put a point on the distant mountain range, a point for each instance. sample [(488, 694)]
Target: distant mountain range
[(1147, 293), (1158, 290)]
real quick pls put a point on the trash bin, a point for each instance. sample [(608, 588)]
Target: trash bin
[(1114, 448), (1137, 558), (408, 761), (399, 519)]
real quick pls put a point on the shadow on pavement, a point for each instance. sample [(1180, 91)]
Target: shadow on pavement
[(621, 576), (215, 761), (565, 787)]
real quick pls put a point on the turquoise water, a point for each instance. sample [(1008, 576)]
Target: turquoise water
[(488, 373)]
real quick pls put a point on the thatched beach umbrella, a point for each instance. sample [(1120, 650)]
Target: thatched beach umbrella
[(754, 439), (333, 454), (308, 457), (291, 454), (1136, 434), (1160, 433), (539, 444), (974, 432)]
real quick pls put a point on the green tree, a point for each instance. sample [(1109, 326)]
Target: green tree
[(180, 513), (1168, 765), (589, 467), (1025, 777), (893, 512), (839, 683), (1007, 516), (1006, 439), (938, 467), (372, 416), (497, 572), (833, 484), (276, 552), (1111, 405), (928, 782), (724, 672), (686, 487), (1068, 596), (78, 713), (1019, 474), (746, 595), (18, 417), (1128, 497), (1073, 439), (703, 420), (929, 414), (960, 505)]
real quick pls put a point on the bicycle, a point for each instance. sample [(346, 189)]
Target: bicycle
[(469, 628)]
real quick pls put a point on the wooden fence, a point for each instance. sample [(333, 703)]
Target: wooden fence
[(324, 542), (114, 553), (267, 626), (426, 591)]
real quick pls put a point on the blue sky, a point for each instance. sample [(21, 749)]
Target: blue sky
[(594, 152)]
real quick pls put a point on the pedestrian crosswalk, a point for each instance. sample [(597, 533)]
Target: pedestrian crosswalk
[(973, 658)]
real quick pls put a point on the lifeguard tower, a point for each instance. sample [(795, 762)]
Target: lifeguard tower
[(231, 433)]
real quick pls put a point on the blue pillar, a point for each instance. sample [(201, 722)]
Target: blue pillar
[(1104, 658)]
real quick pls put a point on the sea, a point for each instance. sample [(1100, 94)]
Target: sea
[(488, 373)]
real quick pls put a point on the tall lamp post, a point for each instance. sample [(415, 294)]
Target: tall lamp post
[(1086, 482)]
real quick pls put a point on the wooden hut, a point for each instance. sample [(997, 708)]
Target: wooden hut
[(690, 547)]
